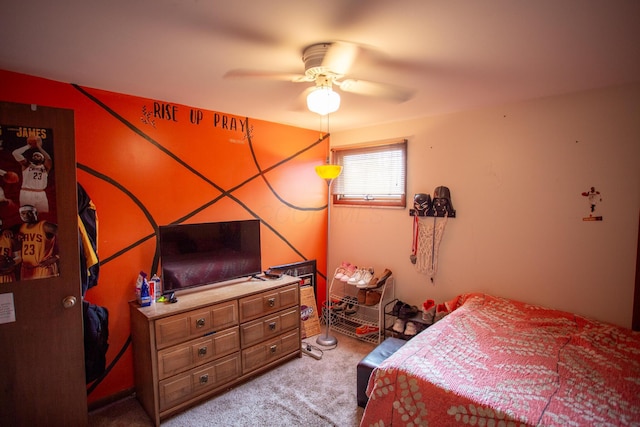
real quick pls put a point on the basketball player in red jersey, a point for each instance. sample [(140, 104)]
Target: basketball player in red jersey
[(39, 252)]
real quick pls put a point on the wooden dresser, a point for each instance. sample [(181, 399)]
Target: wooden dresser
[(211, 340)]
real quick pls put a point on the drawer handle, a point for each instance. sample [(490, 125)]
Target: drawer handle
[(272, 326), (204, 379), (202, 351), (272, 302), (273, 348), (200, 322)]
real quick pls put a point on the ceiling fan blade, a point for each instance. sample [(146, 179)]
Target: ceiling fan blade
[(340, 56), (269, 75), (379, 90)]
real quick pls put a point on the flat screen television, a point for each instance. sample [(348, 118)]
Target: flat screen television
[(202, 254)]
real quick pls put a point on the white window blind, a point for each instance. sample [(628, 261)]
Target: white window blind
[(371, 175)]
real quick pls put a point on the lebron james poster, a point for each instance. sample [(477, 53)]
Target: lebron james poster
[(28, 218)]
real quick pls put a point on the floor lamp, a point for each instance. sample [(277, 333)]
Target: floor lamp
[(328, 173)]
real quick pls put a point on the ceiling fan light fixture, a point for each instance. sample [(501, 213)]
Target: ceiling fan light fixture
[(323, 100)]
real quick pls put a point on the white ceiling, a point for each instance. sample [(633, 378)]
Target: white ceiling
[(455, 54)]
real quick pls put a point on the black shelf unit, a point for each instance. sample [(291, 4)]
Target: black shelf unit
[(390, 317)]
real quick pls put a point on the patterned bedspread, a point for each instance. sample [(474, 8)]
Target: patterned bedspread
[(499, 362)]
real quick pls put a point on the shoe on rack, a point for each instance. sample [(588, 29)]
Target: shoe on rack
[(398, 326), (352, 306), (368, 281), (371, 284), (407, 311), (428, 311), (366, 330), (441, 311), (336, 304), (453, 303), (372, 298), (410, 329), (342, 269), (362, 296), (395, 311), (385, 275), (367, 276), (339, 305), (348, 272), (353, 280)]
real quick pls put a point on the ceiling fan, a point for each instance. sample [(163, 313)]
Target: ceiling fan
[(327, 64)]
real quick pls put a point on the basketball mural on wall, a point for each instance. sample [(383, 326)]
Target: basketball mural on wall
[(147, 163)]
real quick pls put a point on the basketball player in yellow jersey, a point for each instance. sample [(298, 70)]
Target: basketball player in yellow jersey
[(39, 252), (35, 174), (8, 250)]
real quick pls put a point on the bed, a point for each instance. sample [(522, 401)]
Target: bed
[(494, 361)]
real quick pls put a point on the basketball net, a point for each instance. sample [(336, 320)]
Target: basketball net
[(427, 243)]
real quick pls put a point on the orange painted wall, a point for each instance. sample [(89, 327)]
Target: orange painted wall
[(144, 167)]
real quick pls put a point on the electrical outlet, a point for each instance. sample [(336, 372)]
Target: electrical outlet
[(313, 352)]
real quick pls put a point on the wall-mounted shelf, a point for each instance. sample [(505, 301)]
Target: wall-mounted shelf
[(438, 206), (432, 213)]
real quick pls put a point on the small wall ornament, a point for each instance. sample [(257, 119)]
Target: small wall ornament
[(593, 198)]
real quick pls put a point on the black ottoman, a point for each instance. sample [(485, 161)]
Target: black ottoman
[(372, 360)]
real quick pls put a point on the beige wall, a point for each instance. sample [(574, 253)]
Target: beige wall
[(516, 174)]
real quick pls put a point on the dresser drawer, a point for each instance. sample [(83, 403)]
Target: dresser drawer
[(187, 385), (266, 327), (182, 357), (267, 302), (181, 327), (269, 351), (216, 374)]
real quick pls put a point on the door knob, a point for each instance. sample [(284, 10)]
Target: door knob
[(69, 301)]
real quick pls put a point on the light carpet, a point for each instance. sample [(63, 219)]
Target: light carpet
[(302, 392)]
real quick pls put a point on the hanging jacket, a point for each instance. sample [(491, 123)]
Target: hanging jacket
[(95, 318), (96, 339), (88, 240)]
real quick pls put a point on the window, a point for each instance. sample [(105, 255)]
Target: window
[(372, 175)]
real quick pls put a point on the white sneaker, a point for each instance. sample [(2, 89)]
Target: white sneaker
[(410, 329), (356, 276), (365, 279), (398, 326)]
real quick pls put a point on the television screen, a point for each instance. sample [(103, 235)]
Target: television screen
[(202, 254)]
